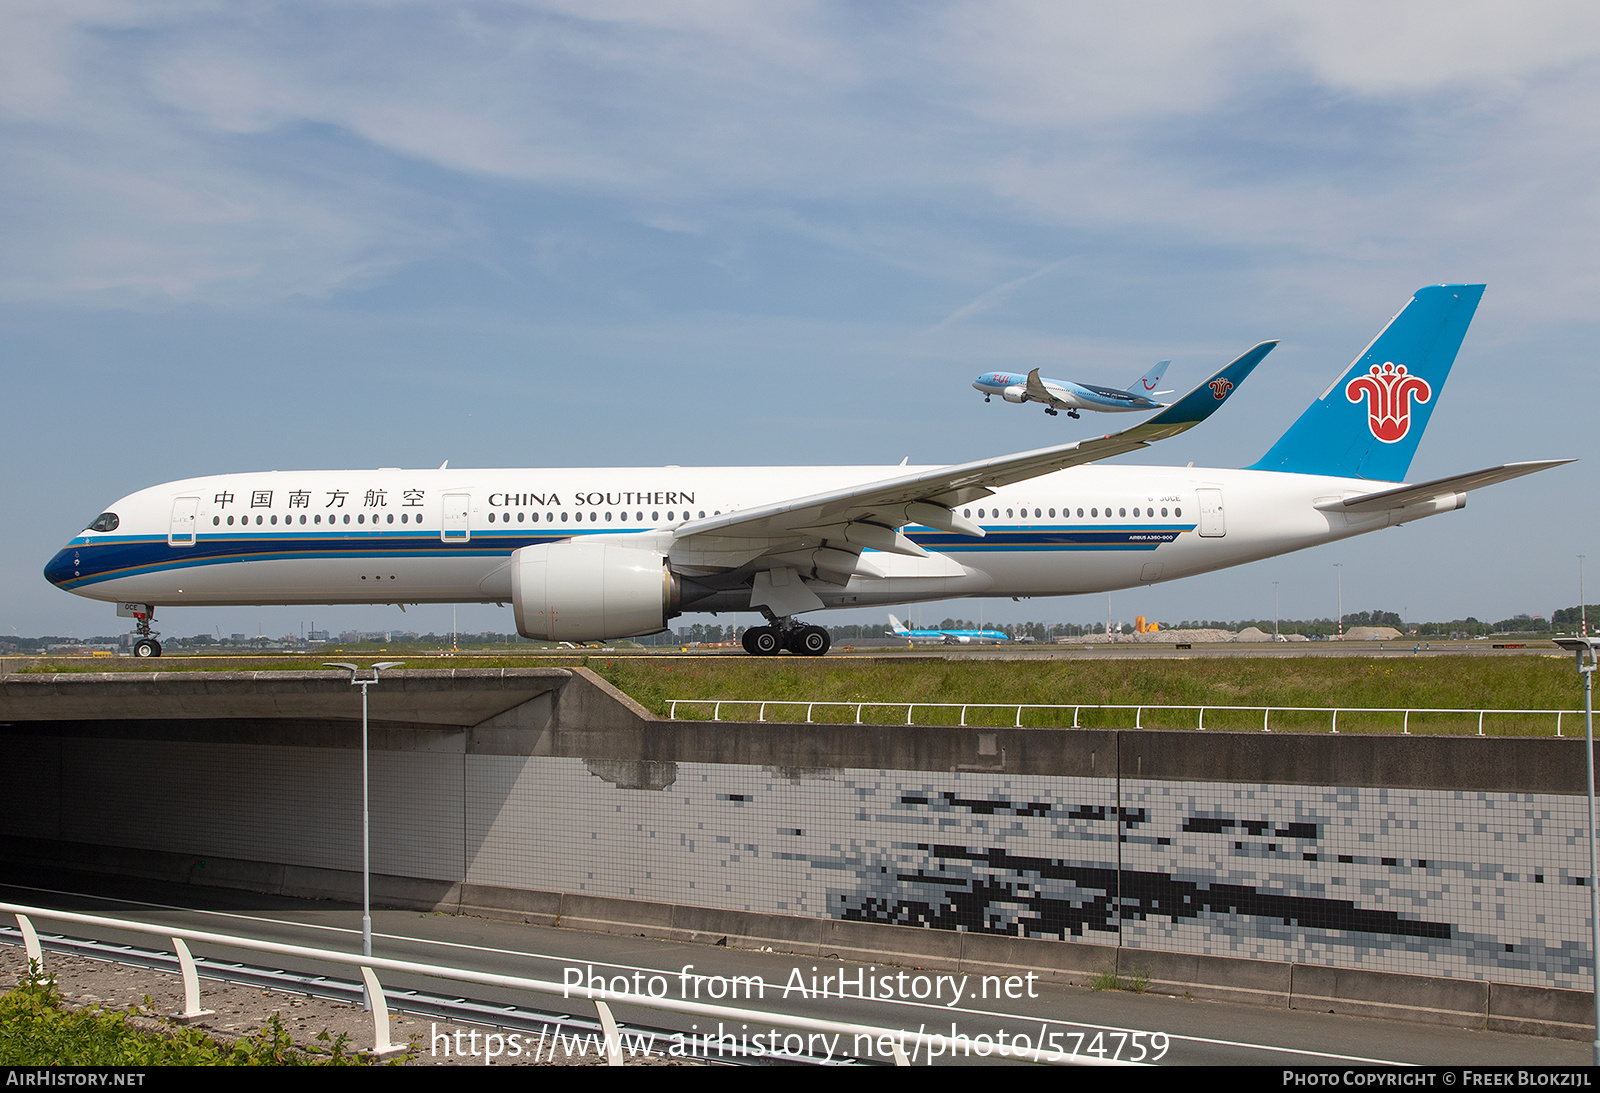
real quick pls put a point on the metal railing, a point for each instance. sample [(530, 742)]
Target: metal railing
[(1403, 714), (896, 1039)]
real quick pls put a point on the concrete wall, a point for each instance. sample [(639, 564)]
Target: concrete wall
[(1334, 871)]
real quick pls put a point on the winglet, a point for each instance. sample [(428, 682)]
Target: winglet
[(1207, 398)]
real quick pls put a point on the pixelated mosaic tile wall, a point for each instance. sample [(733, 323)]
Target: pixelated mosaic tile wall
[(1463, 884), (1466, 884)]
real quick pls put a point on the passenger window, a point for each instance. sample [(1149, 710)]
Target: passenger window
[(1177, 512), (274, 519), (1092, 512), (521, 516), (563, 517), (347, 517), (215, 520), (608, 518)]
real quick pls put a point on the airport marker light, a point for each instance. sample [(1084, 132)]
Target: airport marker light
[(366, 822), (1586, 650)]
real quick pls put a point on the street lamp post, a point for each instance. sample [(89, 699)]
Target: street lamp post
[(366, 815), (1585, 650), (1338, 569), (1274, 611)]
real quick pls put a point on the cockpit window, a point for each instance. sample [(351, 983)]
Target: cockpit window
[(106, 521)]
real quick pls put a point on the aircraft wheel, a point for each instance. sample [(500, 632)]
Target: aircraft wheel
[(749, 640), (764, 641), (813, 642), (145, 648)]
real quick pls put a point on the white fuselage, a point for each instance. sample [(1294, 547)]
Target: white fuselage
[(446, 536)]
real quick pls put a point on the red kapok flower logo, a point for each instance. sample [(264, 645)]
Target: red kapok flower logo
[(1388, 390), (1220, 387)]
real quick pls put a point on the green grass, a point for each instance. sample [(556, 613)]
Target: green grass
[(1466, 682), (1389, 682), (38, 1029)]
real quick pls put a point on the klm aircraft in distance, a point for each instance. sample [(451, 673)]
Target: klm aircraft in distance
[(949, 637), (1072, 397)]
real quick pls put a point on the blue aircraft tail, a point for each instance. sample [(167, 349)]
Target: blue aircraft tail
[(1146, 384), (1368, 422)]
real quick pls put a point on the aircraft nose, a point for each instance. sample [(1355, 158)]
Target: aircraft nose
[(62, 568)]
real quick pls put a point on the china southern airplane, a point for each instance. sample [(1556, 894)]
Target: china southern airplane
[(587, 555), (949, 637), (1072, 397)]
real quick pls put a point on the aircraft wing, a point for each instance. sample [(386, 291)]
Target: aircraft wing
[(1439, 488), (1040, 391), (870, 514)]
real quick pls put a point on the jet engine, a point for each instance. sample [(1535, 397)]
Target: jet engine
[(587, 591), (1015, 393)]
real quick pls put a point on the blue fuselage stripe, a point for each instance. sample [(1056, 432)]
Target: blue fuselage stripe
[(88, 561)]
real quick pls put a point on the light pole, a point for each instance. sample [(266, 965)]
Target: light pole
[(366, 816), (1338, 569), (1584, 649), (1274, 611), (1583, 608)]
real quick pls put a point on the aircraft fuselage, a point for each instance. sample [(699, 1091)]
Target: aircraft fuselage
[(446, 536)]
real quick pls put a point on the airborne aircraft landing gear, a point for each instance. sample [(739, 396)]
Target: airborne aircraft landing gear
[(1073, 414), (1050, 411), (785, 633)]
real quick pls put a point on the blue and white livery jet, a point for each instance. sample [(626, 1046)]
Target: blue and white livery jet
[(949, 637), (596, 554), (1072, 397)]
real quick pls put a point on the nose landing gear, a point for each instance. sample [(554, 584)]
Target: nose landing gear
[(143, 615)]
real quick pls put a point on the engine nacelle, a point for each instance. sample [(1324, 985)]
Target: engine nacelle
[(587, 591), (1015, 393)]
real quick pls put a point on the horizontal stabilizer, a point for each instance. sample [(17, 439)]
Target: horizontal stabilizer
[(1406, 496)]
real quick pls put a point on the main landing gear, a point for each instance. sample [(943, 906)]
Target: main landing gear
[(805, 641), (1051, 410)]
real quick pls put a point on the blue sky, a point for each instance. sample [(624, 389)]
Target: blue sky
[(300, 235)]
